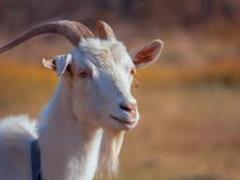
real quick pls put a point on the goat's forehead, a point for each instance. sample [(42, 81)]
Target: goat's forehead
[(102, 53)]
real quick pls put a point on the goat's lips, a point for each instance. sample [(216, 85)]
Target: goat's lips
[(123, 120)]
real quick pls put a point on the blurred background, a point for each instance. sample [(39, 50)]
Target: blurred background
[(189, 99)]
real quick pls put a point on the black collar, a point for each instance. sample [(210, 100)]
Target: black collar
[(35, 160)]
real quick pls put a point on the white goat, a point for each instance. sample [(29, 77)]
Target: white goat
[(81, 130)]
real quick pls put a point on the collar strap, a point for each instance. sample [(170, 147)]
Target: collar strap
[(35, 160)]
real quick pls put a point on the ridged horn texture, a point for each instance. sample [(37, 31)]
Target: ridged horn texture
[(72, 30), (104, 31)]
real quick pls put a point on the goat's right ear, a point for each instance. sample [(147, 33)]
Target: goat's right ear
[(148, 54), (58, 64)]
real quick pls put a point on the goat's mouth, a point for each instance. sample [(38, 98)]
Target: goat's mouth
[(124, 121)]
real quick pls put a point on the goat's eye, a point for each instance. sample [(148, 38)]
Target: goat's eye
[(85, 73), (133, 71)]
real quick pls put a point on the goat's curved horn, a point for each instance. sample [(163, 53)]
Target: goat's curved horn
[(104, 31), (73, 31)]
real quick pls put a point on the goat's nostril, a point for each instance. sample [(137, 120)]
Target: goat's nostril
[(129, 107), (125, 107)]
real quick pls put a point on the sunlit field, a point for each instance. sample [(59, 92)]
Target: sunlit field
[(189, 128)]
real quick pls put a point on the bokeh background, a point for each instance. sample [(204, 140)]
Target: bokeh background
[(189, 99)]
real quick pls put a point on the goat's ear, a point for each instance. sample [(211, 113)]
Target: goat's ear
[(148, 54), (58, 64), (104, 31)]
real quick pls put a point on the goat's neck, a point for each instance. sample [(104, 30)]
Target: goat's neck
[(69, 149)]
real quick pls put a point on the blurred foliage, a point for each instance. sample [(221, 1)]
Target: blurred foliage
[(165, 13), (195, 33)]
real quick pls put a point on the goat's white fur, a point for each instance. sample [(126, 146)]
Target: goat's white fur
[(76, 136)]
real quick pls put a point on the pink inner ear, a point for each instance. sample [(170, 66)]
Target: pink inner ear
[(148, 53), (49, 63)]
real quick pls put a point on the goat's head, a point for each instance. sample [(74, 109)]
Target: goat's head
[(99, 70)]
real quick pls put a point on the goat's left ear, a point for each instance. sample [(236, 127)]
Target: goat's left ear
[(58, 64), (148, 54)]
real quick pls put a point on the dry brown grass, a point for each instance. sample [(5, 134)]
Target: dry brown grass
[(185, 134), (188, 132), (23, 88), (226, 74)]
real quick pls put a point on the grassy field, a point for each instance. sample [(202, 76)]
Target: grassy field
[(187, 132)]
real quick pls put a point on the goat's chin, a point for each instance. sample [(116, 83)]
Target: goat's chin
[(115, 126), (122, 126), (109, 123)]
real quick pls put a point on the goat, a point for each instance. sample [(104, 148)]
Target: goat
[(81, 130)]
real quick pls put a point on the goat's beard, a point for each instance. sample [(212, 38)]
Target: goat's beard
[(109, 152)]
